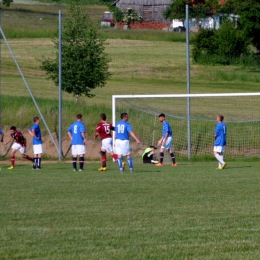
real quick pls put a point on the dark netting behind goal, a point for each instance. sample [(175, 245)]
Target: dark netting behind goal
[(241, 115)]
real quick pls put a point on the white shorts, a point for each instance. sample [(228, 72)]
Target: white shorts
[(122, 147), (219, 149), (77, 149), (168, 144), (107, 145), (37, 149), (17, 146)]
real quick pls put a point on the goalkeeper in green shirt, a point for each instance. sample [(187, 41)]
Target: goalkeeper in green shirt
[(149, 155)]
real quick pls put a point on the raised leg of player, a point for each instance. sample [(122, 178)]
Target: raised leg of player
[(27, 157), (114, 156)]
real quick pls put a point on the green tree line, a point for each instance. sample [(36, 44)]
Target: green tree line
[(233, 41)]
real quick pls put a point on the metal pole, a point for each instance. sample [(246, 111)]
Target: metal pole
[(188, 80), (1, 70), (113, 115), (60, 86)]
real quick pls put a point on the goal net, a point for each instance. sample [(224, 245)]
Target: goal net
[(193, 120)]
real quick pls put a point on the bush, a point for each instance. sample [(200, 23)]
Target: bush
[(231, 42), (130, 15), (224, 46), (118, 14), (204, 44)]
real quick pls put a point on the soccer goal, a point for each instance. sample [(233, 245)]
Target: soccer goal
[(193, 121)]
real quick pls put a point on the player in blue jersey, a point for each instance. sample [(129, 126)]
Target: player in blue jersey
[(35, 132), (77, 134), (220, 141), (122, 144), (166, 141)]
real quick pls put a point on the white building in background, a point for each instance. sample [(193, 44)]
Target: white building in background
[(210, 22)]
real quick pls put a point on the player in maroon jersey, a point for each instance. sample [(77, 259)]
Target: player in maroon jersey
[(19, 144), (103, 130)]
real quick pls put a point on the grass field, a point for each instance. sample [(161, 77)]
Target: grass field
[(192, 211)]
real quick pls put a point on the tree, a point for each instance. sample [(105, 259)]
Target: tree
[(176, 10), (224, 46), (197, 9), (118, 14), (231, 42), (84, 62), (7, 2), (249, 19), (129, 15)]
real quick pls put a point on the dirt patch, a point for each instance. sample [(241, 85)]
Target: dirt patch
[(50, 151)]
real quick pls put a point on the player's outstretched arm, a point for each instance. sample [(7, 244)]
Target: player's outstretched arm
[(135, 137), (96, 135), (8, 140)]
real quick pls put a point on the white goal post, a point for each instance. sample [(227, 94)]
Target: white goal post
[(194, 124)]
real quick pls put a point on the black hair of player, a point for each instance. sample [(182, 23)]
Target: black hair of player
[(163, 115), (124, 115), (221, 118), (103, 116), (13, 128), (35, 119)]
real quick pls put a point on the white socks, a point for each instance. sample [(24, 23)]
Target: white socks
[(220, 158)]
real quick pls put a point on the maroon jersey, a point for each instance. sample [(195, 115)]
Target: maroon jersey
[(104, 129), (18, 138)]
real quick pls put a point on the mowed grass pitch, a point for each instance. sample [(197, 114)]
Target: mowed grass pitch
[(192, 211)]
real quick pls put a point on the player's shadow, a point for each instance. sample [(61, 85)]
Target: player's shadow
[(237, 167), (152, 171)]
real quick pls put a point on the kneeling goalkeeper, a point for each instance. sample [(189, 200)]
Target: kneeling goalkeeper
[(149, 155)]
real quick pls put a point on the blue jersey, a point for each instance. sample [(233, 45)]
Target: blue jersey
[(166, 128), (220, 132), (122, 130), (37, 132), (76, 129), (1, 132)]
